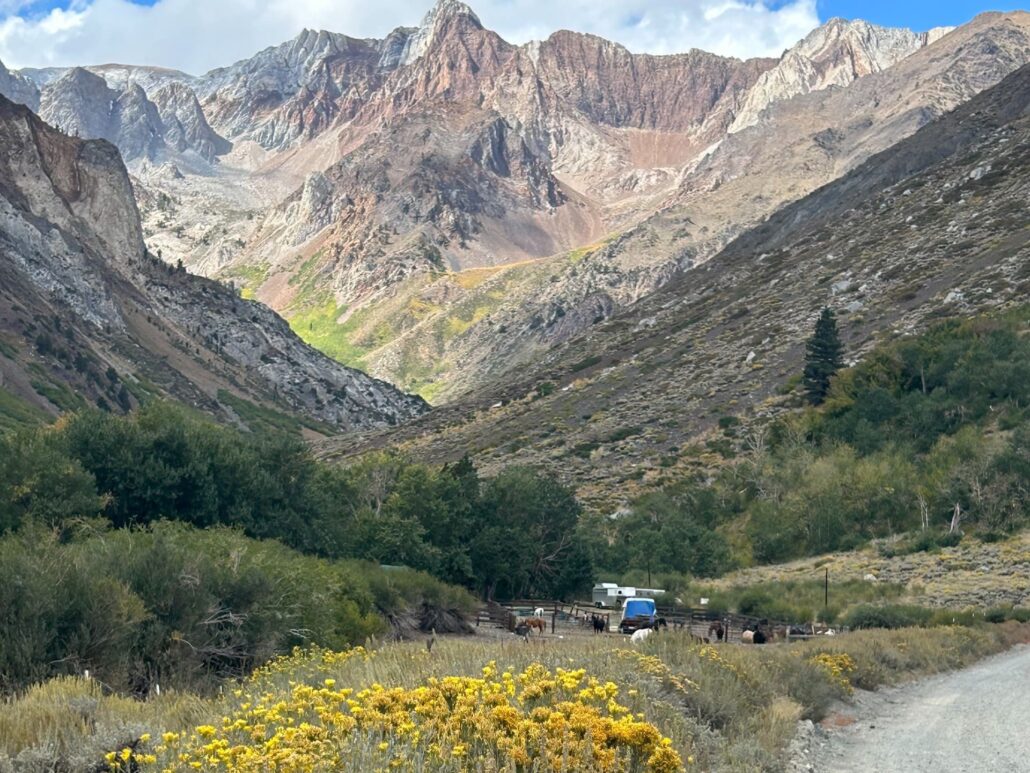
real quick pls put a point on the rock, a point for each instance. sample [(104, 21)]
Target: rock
[(76, 249), (835, 54), (185, 126), (18, 88)]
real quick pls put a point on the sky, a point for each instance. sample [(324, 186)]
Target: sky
[(198, 35)]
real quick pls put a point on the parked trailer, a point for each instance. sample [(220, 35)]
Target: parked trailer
[(610, 594)]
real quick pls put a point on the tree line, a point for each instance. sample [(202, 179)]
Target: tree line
[(514, 534)]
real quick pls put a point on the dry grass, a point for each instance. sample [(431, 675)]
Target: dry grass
[(727, 707), (971, 574)]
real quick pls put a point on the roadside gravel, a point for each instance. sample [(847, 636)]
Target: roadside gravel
[(974, 720)]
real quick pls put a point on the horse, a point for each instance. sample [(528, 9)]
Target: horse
[(640, 635), (747, 637), (538, 612), (718, 630), (537, 623), (599, 623)]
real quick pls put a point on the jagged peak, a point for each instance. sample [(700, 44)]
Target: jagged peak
[(833, 54), (445, 10), (81, 74), (135, 91), (446, 17)]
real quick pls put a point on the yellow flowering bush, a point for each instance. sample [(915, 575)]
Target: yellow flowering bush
[(839, 666), (535, 719)]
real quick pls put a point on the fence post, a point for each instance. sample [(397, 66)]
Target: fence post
[(554, 617)]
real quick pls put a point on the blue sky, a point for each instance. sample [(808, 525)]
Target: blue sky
[(915, 14), (197, 35)]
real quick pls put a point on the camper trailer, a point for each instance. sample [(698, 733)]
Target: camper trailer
[(610, 594)]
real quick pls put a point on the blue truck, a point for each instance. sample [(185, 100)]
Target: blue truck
[(637, 613)]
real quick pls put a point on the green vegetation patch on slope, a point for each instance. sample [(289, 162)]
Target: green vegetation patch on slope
[(16, 413), (930, 433), (319, 326)]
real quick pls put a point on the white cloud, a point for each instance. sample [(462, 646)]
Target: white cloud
[(197, 35)]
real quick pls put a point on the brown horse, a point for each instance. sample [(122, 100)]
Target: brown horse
[(538, 623)]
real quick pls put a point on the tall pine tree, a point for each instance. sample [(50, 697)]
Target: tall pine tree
[(823, 357)]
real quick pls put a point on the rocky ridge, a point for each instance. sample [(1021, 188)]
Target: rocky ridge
[(88, 316), (83, 104), (834, 55)]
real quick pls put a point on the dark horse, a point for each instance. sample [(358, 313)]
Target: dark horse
[(599, 623)]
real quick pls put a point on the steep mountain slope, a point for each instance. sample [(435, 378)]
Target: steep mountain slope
[(938, 224), (88, 316)]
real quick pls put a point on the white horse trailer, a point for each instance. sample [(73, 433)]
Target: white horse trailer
[(610, 594), (607, 594)]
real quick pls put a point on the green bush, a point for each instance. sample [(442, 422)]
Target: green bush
[(183, 607), (923, 542), (887, 616)]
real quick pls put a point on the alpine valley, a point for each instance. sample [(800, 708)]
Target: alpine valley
[(465, 219), (437, 403)]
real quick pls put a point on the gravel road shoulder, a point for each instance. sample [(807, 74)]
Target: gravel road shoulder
[(977, 719)]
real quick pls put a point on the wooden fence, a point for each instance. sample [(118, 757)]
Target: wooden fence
[(697, 620)]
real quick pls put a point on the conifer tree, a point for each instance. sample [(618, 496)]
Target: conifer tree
[(823, 357)]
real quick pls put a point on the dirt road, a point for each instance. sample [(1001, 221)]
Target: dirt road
[(977, 720)]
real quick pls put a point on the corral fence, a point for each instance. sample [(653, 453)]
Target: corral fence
[(578, 615)]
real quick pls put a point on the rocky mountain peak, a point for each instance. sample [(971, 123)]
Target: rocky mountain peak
[(449, 10), (835, 54), (18, 88), (447, 18), (185, 126), (80, 104)]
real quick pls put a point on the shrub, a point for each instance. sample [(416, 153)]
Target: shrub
[(887, 616), (178, 606)]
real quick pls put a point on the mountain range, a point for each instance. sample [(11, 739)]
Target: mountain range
[(440, 207), (935, 226), (552, 242)]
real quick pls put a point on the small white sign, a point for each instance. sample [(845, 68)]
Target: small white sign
[(704, 602)]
